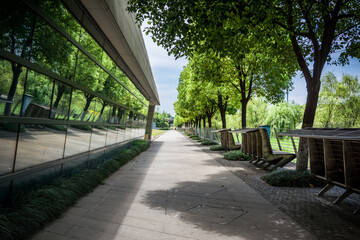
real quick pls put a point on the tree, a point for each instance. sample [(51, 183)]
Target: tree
[(327, 100), (261, 63), (160, 119), (316, 29), (284, 116), (339, 101)]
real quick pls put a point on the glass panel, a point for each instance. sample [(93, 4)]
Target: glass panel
[(52, 51), (17, 27), (61, 101), (98, 138), (121, 134), (95, 109), (8, 134), (111, 135), (38, 91), (61, 16), (11, 87), (77, 140), (78, 104), (40, 144)]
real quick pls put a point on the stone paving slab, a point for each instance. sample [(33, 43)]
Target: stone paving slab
[(174, 191), (316, 214)]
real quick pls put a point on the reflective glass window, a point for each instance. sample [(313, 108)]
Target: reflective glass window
[(38, 95), (12, 77), (39, 144)]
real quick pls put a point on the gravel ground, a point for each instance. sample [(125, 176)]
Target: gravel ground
[(317, 214)]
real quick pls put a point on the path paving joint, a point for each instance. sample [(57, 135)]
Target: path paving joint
[(174, 190)]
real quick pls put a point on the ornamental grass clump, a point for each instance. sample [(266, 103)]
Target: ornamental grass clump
[(217, 148), (208, 142), (292, 178), (29, 211), (237, 155), (194, 137)]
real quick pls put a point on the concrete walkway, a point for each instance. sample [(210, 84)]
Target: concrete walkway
[(173, 191)]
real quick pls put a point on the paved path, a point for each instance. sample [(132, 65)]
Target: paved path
[(173, 191)]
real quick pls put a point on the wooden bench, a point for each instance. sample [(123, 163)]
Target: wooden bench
[(227, 139), (334, 155), (272, 157)]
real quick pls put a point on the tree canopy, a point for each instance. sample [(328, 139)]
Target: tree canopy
[(306, 30)]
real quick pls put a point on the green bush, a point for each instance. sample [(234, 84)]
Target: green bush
[(292, 178), (237, 155), (100, 127), (195, 137), (82, 127), (111, 127), (208, 142), (29, 211), (217, 148), (13, 127), (166, 128), (57, 127)]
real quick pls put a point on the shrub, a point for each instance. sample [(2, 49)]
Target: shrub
[(208, 142), (82, 127), (57, 127), (100, 127), (237, 155), (195, 137), (217, 148), (13, 127), (292, 178), (29, 211)]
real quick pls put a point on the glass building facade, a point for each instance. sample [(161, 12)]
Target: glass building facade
[(63, 100)]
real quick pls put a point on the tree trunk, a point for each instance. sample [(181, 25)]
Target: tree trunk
[(243, 113), (102, 111), (16, 68), (87, 105), (60, 93), (204, 123), (308, 121), (222, 108), (209, 120), (120, 114)]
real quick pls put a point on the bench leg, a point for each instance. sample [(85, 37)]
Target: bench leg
[(325, 189), (357, 211), (257, 161), (266, 166), (253, 159), (342, 197), (259, 165)]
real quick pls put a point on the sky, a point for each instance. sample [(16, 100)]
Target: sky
[(166, 71)]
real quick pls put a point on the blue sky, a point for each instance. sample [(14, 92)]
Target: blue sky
[(166, 71)]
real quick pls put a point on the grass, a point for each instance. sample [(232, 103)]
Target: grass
[(292, 178), (29, 211), (157, 132), (237, 155), (208, 142), (217, 148)]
